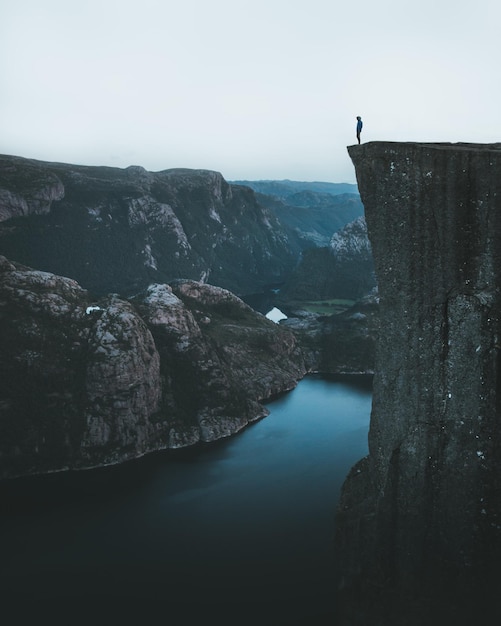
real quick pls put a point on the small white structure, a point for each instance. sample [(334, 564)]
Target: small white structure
[(275, 315)]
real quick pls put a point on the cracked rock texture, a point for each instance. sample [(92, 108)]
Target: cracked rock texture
[(419, 522), (86, 382)]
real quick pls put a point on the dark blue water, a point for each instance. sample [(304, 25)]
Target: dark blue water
[(238, 532)]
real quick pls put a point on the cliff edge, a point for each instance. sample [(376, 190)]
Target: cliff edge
[(419, 521)]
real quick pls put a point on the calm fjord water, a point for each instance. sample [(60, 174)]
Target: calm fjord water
[(238, 532)]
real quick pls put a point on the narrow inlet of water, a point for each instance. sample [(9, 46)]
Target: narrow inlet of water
[(237, 532)]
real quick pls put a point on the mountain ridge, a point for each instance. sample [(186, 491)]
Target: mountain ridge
[(287, 187), (118, 229)]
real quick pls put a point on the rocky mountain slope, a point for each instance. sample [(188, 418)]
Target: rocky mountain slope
[(312, 210), (118, 230), (109, 348), (342, 343), (419, 523), (344, 269), (86, 382)]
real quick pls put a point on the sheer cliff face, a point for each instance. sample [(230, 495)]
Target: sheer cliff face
[(85, 383), (118, 230), (427, 500)]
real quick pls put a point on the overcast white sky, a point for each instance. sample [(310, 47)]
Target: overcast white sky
[(256, 89)]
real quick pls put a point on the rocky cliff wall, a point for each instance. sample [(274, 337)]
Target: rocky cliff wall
[(344, 269), (419, 523), (118, 230), (86, 382)]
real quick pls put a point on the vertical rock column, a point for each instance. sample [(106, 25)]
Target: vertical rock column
[(425, 506)]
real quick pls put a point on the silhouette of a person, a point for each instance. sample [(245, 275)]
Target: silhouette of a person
[(359, 127)]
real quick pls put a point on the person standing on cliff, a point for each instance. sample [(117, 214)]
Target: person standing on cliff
[(359, 127)]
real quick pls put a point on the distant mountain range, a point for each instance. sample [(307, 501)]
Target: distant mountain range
[(313, 210), (287, 188)]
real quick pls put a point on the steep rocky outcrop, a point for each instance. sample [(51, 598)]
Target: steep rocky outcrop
[(86, 382), (342, 343), (419, 522), (27, 190), (344, 269), (118, 230)]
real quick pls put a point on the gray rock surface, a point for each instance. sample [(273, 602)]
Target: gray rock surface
[(86, 382), (28, 190), (118, 230), (419, 523), (342, 343), (343, 269)]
